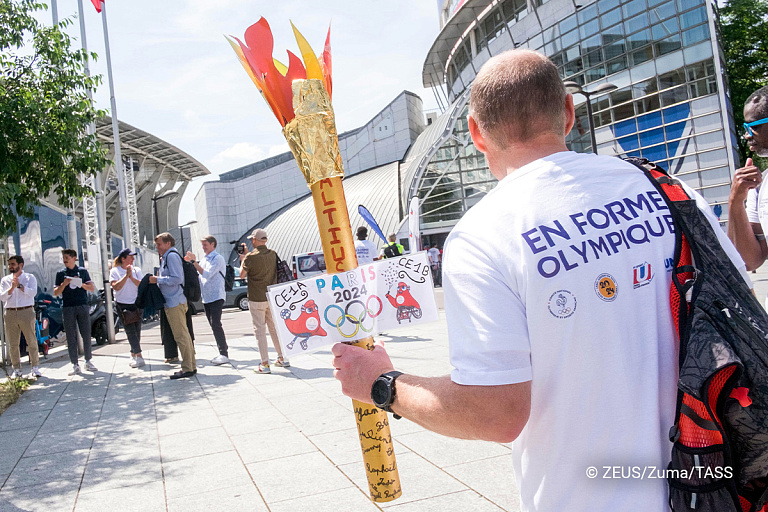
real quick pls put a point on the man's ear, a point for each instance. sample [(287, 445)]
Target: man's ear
[(477, 137), (570, 114)]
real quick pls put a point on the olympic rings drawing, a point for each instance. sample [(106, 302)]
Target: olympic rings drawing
[(368, 307), (345, 316)]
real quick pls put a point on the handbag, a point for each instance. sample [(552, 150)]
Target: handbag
[(131, 315)]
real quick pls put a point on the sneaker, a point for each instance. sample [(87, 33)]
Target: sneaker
[(16, 374), (220, 359), (263, 368), (90, 367), (36, 372), (75, 370), (133, 362), (173, 360), (138, 362), (283, 363)]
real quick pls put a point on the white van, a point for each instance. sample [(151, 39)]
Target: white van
[(308, 264)]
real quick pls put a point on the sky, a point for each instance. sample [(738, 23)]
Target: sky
[(177, 78)]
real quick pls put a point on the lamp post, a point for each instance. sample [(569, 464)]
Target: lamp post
[(181, 230), (575, 88), (164, 195)]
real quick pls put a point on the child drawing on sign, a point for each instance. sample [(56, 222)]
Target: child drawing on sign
[(404, 302), (305, 326)]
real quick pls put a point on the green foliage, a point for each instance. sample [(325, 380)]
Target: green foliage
[(44, 114), (744, 37), (11, 390)]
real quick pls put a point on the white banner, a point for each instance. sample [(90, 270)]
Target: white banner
[(318, 311)]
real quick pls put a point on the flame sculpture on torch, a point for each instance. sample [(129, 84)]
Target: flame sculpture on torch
[(299, 95)]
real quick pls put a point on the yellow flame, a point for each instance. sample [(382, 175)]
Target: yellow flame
[(310, 60)]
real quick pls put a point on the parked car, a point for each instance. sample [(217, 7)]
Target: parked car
[(308, 264), (236, 298)]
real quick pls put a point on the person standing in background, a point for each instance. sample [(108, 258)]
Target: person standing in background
[(73, 284), (17, 291), (260, 267), (365, 249), (211, 269), (125, 280)]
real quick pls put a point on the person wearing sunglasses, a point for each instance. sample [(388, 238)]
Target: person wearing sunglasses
[(747, 204)]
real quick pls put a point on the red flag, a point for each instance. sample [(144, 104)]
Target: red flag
[(97, 5)]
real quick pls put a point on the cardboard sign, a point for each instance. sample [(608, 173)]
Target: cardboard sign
[(318, 311)]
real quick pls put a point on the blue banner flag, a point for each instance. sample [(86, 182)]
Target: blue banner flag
[(367, 217)]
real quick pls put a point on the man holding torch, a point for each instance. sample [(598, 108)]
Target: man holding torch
[(577, 379)]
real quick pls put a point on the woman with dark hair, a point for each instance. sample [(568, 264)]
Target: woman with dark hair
[(125, 280)]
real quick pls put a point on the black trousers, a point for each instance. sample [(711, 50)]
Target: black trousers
[(166, 335), (77, 318), (213, 312)]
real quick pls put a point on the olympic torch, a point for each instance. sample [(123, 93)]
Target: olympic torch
[(299, 95)]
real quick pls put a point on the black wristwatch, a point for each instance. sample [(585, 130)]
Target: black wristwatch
[(383, 391)]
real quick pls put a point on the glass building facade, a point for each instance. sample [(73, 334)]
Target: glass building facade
[(670, 105)]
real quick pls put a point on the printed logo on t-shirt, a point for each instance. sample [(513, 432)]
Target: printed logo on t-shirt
[(562, 304), (642, 274), (606, 288), (669, 264)]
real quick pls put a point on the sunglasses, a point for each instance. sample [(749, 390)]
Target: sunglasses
[(748, 126)]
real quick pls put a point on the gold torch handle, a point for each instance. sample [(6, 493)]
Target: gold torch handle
[(372, 423)]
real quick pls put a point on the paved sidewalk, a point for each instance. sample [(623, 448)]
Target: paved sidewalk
[(124, 439)]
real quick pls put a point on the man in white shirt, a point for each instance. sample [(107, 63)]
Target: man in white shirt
[(211, 269), (17, 291), (434, 263), (557, 303), (747, 224), (365, 249)]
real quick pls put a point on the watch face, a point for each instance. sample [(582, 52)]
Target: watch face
[(380, 392)]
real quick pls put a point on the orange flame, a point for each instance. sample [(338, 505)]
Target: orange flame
[(274, 79)]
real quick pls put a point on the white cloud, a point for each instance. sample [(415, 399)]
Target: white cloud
[(278, 149)]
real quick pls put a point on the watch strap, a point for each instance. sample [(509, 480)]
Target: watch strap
[(391, 377)]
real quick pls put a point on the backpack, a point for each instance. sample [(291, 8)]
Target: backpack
[(284, 273), (192, 290), (391, 250), (720, 436), (229, 278)]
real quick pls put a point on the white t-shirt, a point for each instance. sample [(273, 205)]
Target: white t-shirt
[(757, 206), (366, 251), (561, 276), (127, 294), (434, 256)]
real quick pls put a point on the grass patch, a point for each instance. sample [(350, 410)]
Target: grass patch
[(10, 391)]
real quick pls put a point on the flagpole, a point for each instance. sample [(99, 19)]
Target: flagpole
[(101, 211), (119, 166), (71, 222)]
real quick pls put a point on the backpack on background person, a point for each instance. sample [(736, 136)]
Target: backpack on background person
[(192, 289), (720, 436), (229, 278)]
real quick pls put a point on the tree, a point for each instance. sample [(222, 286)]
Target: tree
[(44, 114), (744, 37)]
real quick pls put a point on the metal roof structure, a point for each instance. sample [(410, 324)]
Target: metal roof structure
[(158, 167), (146, 147), (433, 72), (293, 228)]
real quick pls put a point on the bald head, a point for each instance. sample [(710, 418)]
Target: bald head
[(516, 96)]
